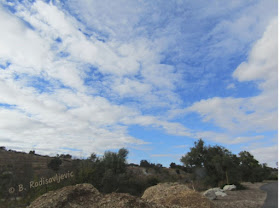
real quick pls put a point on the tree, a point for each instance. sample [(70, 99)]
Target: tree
[(93, 157), (114, 167), (251, 169), (212, 164), (172, 165), (144, 163), (221, 165), (55, 163), (116, 162), (67, 156), (196, 157), (3, 148)]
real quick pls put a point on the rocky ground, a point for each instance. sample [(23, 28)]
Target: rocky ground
[(167, 195), (252, 197), (86, 196)]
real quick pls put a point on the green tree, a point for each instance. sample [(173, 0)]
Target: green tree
[(196, 157), (212, 164), (54, 164), (116, 162), (251, 169), (220, 165)]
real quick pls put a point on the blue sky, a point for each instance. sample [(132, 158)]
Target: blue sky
[(83, 76)]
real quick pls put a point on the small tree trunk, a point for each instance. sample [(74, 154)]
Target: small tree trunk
[(227, 178)]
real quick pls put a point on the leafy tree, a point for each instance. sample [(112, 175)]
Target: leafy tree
[(55, 163), (216, 165), (213, 165), (220, 165), (3, 148), (196, 157), (251, 169), (144, 163), (248, 165), (175, 166), (116, 162), (93, 157), (172, 165), (67, 156)]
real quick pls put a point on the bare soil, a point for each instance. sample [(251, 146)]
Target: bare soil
[(252, 197), (176, 195)]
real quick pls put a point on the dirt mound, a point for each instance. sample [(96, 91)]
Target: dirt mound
[(86, 196), (79, 196), (124, 201), (174, 194)]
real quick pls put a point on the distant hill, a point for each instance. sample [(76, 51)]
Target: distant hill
[(19, 169), (26, 167), (21, 163)]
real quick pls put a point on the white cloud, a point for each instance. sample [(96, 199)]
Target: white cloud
[(128, 55), (234, 32), (244, 139), (181, 146), (71, 117), (257, 113), (164, 155), (231, 86), (262, 63), (267, 155), (19, 49)]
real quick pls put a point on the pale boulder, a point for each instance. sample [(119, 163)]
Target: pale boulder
[(229, 187)]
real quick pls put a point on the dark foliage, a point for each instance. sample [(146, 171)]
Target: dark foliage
[(216, 165), (55, 163)]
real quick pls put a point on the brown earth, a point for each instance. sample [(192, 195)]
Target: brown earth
[(252, 197), (21, 163), (86, 196), (166, 195), (170, 194)]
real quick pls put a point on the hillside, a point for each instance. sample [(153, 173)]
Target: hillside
[(29, 176), (27, 166), (21, 162)]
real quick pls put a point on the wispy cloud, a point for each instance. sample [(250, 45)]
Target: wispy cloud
[(82, 73), (164, 155), (181, 146)]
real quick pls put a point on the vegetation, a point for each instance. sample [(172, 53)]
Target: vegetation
[(55, 163), (216, 165), (203, 166)]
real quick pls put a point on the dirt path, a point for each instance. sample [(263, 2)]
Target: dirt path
[(252, 197), (272, 195)]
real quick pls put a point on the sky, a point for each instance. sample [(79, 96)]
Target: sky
[(84, 76)]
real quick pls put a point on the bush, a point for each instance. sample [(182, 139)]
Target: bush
[(273, 177), (152, 181), (239, 186)]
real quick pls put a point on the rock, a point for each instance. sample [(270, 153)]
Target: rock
[(217, 189), (229, 187), (210, 194), (220, 193), (176, 195)]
